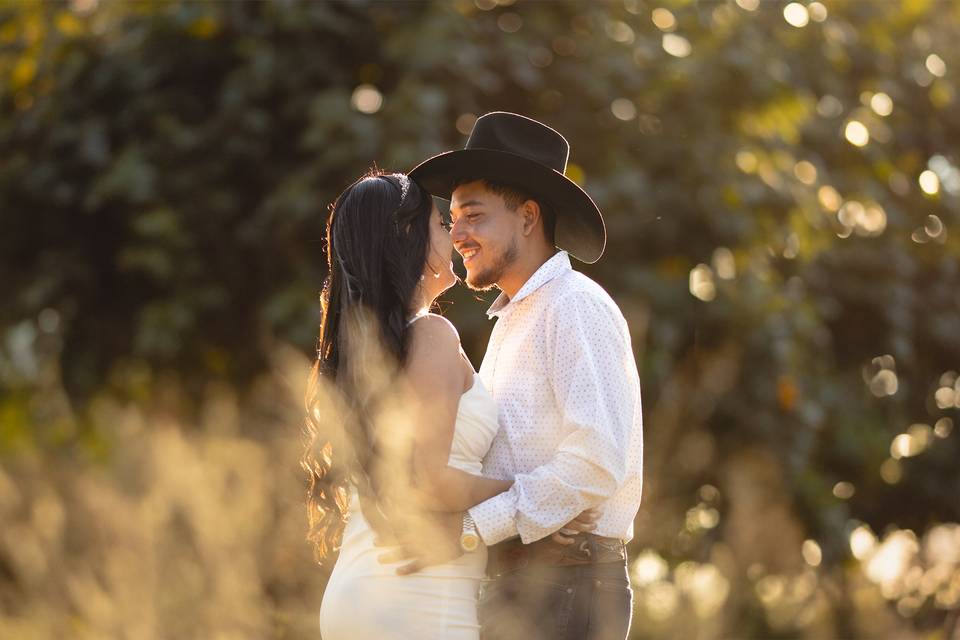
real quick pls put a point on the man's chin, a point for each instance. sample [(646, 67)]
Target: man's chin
[(480, 280)]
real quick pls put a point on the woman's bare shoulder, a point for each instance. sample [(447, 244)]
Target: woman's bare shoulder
[(432, 322), (434, 341)]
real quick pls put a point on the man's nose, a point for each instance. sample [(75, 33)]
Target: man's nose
[(457, 231)]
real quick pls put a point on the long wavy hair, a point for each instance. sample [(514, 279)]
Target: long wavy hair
[(377, 240)]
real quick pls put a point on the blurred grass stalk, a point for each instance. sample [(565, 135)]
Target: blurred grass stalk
[(178, 527), (167, 529), (179, 523)]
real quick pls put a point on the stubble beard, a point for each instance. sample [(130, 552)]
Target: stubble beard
[(486, 279)]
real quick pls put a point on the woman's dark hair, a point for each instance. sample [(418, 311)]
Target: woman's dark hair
[(378, 236)]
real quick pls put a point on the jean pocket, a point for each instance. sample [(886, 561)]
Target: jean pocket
[(611, 609), (612, 585), (557, 605)]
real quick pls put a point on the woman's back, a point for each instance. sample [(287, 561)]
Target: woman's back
[(367, 599)]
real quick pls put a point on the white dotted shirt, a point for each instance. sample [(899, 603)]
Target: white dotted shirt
[(561, 368)]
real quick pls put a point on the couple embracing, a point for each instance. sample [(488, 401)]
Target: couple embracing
[(531, 466)]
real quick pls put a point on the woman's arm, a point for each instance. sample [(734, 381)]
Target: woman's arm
[(438, 376), (450, 489)]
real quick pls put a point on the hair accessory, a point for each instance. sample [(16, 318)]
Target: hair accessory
[(404, 186), (404, 182)]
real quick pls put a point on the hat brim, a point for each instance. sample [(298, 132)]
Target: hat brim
[(580, 230)]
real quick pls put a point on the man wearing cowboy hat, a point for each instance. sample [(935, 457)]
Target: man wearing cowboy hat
[(561, 368)]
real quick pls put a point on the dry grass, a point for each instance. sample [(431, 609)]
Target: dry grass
[(185, 531), (196, 529)]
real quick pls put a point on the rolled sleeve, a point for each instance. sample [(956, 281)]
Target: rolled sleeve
[(496, 518)]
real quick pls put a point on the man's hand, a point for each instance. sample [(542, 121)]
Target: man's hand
[(586, 521), (434, 539)]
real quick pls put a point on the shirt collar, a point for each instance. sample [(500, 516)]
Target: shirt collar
[(553, 268)]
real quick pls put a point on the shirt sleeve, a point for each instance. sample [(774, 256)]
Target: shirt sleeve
[(596, 387)]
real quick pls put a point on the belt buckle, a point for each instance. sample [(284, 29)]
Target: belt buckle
[(577, 553), (584, 548)]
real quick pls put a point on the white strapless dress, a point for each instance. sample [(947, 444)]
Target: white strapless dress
[(366, 599)]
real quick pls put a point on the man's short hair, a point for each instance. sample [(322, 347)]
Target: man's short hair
[(514, 196)]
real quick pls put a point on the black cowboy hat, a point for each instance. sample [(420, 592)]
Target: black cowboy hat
[(518, 151)]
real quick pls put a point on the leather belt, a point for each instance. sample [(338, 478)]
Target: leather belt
[(587, 548)]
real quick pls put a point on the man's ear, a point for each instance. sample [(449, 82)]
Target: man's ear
[(531, 214)]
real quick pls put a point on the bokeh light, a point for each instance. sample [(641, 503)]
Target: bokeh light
[(891, 471), (510, 22), (936, 65), (704, 585), (844, 490), (664, 19), (623, 109), (818, 11), (366, 99), (676, 45), (724, 265), (649, 567), (829, 106), (661, 600), (929, 182), (812, 553), (856, 133), (829, 198), (701, 283), (746, 161), (881, 104), (620, 31), (943, 427), (796, 15), (805, 172), (465, 122), (862, 542)]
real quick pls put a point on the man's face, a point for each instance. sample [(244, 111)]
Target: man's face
[(485, 232)]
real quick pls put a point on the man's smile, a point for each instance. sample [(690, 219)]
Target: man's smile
[(469, 254)]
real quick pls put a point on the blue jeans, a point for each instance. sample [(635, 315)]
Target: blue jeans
[(589, 601)]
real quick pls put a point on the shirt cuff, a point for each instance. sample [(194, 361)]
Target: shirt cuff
[(495, 518)]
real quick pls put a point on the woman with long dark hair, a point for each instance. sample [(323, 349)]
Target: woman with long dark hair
[(388, 258), (405, 443)]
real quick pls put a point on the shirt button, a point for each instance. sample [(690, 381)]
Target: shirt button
[(569, 589)]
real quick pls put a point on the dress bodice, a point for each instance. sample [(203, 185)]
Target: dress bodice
[(475, 427), (366, 599)]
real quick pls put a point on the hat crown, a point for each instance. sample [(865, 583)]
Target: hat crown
[(513, 133)]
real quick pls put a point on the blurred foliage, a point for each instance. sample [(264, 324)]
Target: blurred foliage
[(781, 188)]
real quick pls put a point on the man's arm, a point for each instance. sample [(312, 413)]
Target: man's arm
[(596, 387)]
